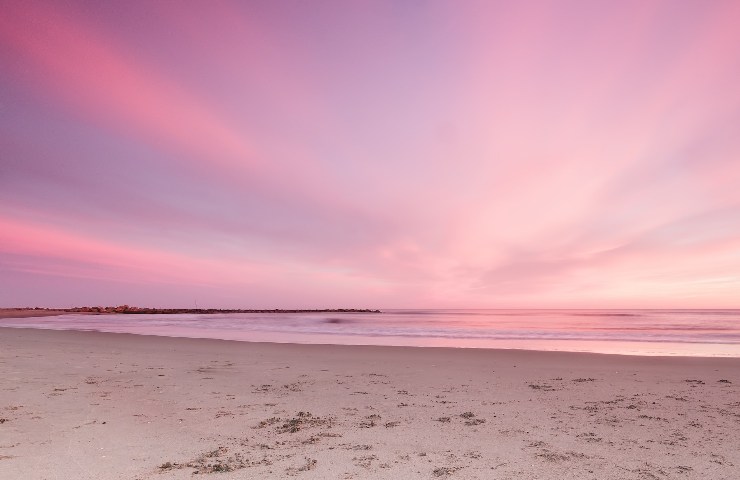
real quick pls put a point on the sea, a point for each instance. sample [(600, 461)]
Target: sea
[(706, 333)]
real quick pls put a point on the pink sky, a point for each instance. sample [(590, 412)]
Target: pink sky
[(370, 154)]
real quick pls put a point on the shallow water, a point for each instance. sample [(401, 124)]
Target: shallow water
[(630, 332)]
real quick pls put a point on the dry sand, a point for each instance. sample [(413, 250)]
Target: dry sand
[(86, 405)]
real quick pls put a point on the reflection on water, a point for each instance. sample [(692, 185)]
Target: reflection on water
[(634, 332)]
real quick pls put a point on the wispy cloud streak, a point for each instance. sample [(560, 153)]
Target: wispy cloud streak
[(479, 154)]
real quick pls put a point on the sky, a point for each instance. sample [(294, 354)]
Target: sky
[(380, 154)]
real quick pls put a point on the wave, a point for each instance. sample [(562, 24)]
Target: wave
[(430, 327)]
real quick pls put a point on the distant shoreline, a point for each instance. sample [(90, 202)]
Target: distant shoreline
[(128, 310)]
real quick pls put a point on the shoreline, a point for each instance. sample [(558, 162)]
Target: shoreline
[(365, 345), (396, 329), (124, 406), (352, 350)]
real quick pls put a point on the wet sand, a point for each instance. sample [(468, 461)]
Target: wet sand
[(88, 405)]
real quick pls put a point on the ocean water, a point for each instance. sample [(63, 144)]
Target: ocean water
[(713, 333)]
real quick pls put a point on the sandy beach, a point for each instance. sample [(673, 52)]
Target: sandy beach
[(88, 405)]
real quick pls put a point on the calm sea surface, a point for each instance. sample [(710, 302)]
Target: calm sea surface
[(631, 332)]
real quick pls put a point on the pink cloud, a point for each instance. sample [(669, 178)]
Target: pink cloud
[(488, 154), (43, 245), (91, 75)]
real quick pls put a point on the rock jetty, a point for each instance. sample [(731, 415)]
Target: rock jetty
[(125, 309)]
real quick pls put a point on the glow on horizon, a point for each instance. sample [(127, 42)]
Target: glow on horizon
[(331, 154)]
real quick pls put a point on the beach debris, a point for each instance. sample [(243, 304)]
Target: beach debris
[(301, 421), (470, 419), (267, 422), (214, 461), (541, 386), (356, 447), (552, 456), (444, 471), (364, 461), (370, 422)]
